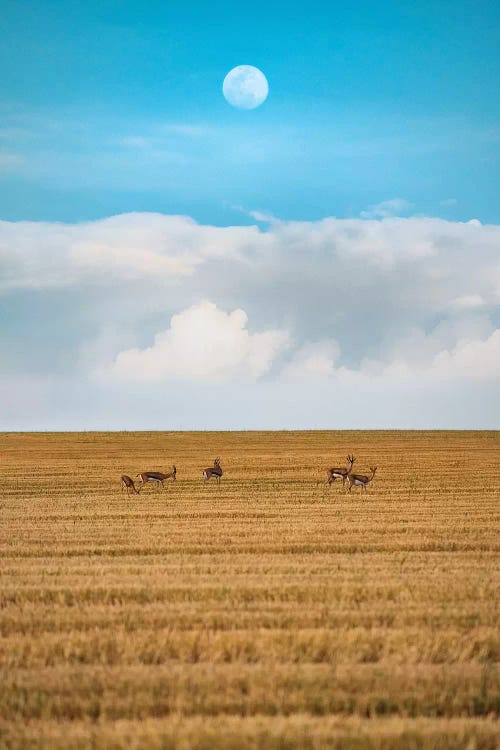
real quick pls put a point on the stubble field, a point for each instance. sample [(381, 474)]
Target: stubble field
[(270, 612)]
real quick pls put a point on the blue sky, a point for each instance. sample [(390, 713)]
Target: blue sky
[(367, 102), (336, 248)]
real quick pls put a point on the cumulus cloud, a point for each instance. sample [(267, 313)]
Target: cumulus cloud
[(206, 344), (471, 358), (369, 304), (203, 343)]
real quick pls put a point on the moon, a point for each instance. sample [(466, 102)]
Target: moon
[(245, 87)]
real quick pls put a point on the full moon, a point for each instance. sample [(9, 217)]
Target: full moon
[(245, 87)]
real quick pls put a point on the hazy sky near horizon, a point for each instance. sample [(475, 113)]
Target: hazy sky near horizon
[(329, 259)]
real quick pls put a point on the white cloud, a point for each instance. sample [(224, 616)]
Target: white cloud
[(387, 209), (263, 217), (145, 246), (365, 304), (472, 358), (203, 343), (418, 348), (313, 362), (129, 246)]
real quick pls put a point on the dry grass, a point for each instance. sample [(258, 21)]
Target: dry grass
[(270, 612)]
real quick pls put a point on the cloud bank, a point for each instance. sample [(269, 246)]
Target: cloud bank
[(141, 304)]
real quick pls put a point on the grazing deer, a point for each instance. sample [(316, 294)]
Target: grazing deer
[(213, 471), (341, 472), (359, 480), (128, 484), (157, 476)]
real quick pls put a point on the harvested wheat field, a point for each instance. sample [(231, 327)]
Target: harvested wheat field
[(272, 611)]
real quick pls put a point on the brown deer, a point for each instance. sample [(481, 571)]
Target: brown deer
[(340, 472), (157, 476), (128, 484), (213, 471), (359, 480)]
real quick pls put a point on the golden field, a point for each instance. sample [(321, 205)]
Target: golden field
[(270, 612)]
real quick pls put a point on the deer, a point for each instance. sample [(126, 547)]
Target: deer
[(213, 471), (341, 472), (359, 480), (157, 476), (128, 484)]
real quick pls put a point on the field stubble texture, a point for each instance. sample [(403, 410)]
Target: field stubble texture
[(270, 612)]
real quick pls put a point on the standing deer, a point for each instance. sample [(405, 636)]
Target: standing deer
[(213, 471), (128, 484), (340, 472), (359, 480), (157, 476)]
